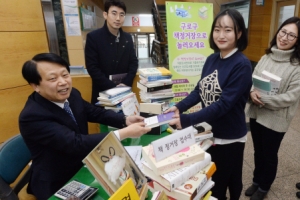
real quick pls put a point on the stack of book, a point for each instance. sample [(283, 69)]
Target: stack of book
[(184, 175), (155, 84), (119, 99)]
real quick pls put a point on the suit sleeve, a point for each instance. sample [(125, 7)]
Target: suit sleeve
[(93, 66), (133, 64)]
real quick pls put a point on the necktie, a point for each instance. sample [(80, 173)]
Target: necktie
[(68, 110)]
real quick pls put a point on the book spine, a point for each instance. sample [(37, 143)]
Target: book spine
[(156, 78), (118, 95), (183, 175), (157, 88)]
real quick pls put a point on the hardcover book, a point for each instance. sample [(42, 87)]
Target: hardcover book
[(154, 71), (115, 92), (145, 88), (275, 81), (176, 178), (261, 84), (112, 166), (183, 158), (192, 187)]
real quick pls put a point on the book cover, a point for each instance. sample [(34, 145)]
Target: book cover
[(111, 165), (176, 178), (156, 78), (145, 88), (115, 92), (159, 119), (159, 195), (205, 144), (192, 188), (185, 157), (117, 78), (154, 71), (274, 79), (199, 137), (131, 106), (127, 190), (154, 83), (205, 189), (261, 84), (151, 108)]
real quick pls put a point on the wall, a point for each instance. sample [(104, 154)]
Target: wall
[(22, 35)]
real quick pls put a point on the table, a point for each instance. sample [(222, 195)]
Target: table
[(84, 175)]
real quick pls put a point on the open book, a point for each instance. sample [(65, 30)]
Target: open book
[(112, 166)]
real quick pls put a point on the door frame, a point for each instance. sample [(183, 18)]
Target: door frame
[(274, 20)]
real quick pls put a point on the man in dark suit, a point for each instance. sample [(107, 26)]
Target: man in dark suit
[(57, 134), (110, 51)]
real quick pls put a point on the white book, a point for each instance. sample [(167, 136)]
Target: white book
[(159, 119), (274, 80), (208, 185), (178, 177)]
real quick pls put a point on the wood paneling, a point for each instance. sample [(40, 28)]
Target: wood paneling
[(15, 49), (76, 57), (16, 15), (12, 102)]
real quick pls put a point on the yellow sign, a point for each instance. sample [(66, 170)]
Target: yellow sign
[(126, 192)]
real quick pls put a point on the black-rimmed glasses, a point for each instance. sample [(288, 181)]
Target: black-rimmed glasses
[(290, 36)]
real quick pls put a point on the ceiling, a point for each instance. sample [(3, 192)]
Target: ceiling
[(138, 6)]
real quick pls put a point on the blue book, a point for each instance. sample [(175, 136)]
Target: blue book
[(156, 78), (261, 84)]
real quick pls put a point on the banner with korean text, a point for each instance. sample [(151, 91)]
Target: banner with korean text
[(188, 28)]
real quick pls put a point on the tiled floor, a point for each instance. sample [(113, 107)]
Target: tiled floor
[(288, 173)]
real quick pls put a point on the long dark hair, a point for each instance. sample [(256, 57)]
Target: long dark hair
[(295, 57), (239, 26)]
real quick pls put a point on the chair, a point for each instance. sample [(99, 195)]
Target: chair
[(14, 156)]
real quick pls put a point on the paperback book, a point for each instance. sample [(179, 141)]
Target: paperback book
[(159, 119), (191, 189), (176, 178), (154, 71), (145, 88), (274, 80), (261, 84), (183, 158), (115, 92)]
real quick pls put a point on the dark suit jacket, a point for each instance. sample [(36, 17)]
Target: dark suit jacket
[(104, 57), (57, 144)]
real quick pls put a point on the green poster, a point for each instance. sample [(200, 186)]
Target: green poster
[(188, 28)]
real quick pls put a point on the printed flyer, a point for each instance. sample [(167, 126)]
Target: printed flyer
[(188, 28)]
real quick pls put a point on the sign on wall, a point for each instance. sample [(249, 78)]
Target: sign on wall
[(188, 28), (135, 21)]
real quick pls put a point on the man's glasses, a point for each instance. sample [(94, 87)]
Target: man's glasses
[(115, 15), (290, 36)]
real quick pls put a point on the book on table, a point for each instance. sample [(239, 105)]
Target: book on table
[(274, 80), (154, 71), (153, 83), (112, 166), (145, 88), (261, 84), (180, 159), (194, 188), (176, 178)]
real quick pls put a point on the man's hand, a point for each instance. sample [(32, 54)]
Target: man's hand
[(134, 119), (255, 97), (134, 130)]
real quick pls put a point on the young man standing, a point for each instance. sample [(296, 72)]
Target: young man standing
[(110, 51)]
